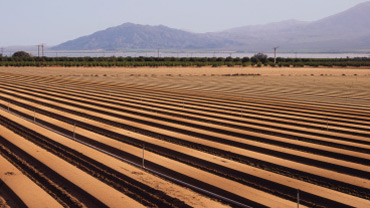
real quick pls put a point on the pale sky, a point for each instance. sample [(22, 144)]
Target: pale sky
[(31, 22)]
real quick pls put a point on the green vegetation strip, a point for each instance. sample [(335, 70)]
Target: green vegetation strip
[(183, 61)]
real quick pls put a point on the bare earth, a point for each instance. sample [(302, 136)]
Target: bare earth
[(252, 112), (24, 188), (342, 85), (92, 186), (184, 194)]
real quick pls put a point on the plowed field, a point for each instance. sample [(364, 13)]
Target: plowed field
[(184, 137)]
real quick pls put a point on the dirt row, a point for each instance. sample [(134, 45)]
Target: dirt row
[(248, 83), (297, 87), (341, 169), (249, 127), (116, 116), (269, 123), (20, 190), (239, 189), (236, 111), (227, 98), (230, 83), (218, 121), (67, 82), (210, 133), (3, 202), (87, 190), (186, 151), (124, 184), (179, 192), (295, 92)]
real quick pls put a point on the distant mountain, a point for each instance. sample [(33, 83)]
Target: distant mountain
[(262, 37), (134, 36), (346, 31)]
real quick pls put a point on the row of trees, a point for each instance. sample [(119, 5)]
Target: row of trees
[(24, 59)]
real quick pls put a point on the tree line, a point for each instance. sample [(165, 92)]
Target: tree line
[(21, 58)]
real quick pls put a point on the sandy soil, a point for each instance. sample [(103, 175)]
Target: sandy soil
[(31, 194), (329, 90), (3, 203), (346, 86), (352, 165), (192, 198), (310, 169), (99, 190), (186, 195), (243, 113), (303, 186), (296, 185), (231, 186)]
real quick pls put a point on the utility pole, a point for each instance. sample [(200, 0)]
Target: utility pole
[(275, 48), (297, 198), (42, 50), (158, 52), (38, 51)]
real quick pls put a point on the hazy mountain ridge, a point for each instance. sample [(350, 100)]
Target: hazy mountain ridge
[(134, 36), (348, 30)]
